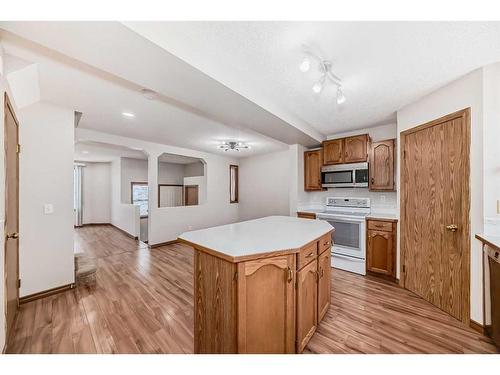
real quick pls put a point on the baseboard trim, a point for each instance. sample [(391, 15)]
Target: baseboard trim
[(163, 244), (125, 232), (45, 293), (477, 327)]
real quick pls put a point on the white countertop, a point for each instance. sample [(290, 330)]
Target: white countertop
[(383, 214), (379, 213), (489, 239), (268, 234)]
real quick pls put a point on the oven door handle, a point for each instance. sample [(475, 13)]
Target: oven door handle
[(348, 258)]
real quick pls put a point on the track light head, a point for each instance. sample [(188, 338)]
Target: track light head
[(305, 65)]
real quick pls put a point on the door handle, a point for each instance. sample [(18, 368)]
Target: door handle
[(290, 275), (452, 227), (14, 235)]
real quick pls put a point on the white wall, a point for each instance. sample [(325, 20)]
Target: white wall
[(194, 169), (132, 170), (171, 173), (167, 223), (46, 176), (264, 185), (462, 93), (376, 133), (96, 193), (125, 216), (491, 103)]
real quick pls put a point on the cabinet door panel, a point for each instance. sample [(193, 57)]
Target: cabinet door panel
[(380, 252), (325, 274), (382, 165), (312, 170), (356, 149), (307, 304), (266, 306), (333, 151)]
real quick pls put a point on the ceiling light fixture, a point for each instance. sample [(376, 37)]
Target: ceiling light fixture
[(128, 114), (233, 146), (305, 65), (85, 152), (318, 86), (327, 75)]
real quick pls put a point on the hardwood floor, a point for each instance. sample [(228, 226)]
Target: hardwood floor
[(143, 303)]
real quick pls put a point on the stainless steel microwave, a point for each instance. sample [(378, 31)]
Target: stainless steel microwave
[(345, 175)]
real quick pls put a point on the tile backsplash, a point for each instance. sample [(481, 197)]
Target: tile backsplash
[(380, 200)]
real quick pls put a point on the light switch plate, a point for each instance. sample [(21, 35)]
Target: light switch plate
[(48, 208)]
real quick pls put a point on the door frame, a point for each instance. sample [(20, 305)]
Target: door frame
[(185, 195), (464, 114), (9, 108)]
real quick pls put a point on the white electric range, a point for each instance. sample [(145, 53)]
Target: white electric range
[(347, 216)]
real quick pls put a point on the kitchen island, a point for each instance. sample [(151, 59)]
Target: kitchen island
[(260, 286)]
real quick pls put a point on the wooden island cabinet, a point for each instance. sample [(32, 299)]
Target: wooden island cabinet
[(269, 294)]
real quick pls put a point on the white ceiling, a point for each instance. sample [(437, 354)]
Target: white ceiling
[(89, 151), (215, 112), (240, 80), (384, 65)]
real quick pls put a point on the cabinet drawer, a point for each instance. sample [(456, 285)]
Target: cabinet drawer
[(380, 225), (307, 254), (306, 215), (325, 243)]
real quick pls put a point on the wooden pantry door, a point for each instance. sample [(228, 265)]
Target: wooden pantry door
[(435, 200)]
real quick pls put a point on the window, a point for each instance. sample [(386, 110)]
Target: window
[(233, 184), (140, 196)]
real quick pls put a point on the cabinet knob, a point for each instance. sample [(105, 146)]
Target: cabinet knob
[(14, 236)]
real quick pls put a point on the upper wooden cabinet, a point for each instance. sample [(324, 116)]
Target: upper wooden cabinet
[(333, 151), (346, 150), (382, 165), (313, 160), (356, 149)]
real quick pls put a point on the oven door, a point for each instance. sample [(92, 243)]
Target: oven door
[(349, 237), (338, 178)]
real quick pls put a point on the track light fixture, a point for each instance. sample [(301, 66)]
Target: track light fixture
[(325, 67)]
